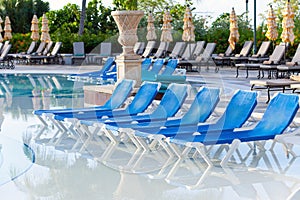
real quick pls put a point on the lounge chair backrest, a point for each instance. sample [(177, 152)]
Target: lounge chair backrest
[(157, 66), (263, 49), (107, 65), (161, 49), (199, 48), (171, 102), (279, 114), (206, 55), (189, 51), (141, 48), (56, 48), (296, 57), (6, 43), (5, 51), (277, 54), (143, 97), (137, 47), (238, 109), (148, 49), (120, 94), (78, 49), (228, 51), (41, 47), (202, 106), (105, 49), (47, 48), (1, 46), (170, 67), (31, 47), (177, 50), (146, 63), (245, 51)]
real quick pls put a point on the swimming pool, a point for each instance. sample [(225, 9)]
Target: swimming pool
[(42, 171)]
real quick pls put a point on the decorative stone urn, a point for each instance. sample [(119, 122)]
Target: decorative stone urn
[(128, 63), (127, 22)]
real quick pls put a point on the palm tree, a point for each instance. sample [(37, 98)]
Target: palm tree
[(82, 17)]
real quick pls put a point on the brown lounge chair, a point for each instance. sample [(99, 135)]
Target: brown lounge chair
[(273, 60), (275, 85), (291, 67)]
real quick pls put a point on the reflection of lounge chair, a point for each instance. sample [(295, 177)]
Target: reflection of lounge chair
[(274, 60), (78, 53), (277, 117), (293, 66), (149, 48), (146, 63)]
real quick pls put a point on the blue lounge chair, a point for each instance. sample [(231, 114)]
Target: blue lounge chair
[(168, 107), (277, 117), (203, 105), (141, 101), (236, 113), (146, 63), (119, 96), (165, 77), (110, 62)]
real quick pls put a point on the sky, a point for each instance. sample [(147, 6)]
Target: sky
[(203, 7)]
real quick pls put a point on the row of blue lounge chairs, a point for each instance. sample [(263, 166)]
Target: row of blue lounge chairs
[(163, 127), (159, 70)]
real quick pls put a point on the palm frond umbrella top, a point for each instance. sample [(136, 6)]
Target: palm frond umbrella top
[(272, 32), (287, 34), (234, 35), (7, 29), (1, 30), (188, 26), (35, 28), (45, 37), (166, 35), (151, 35)]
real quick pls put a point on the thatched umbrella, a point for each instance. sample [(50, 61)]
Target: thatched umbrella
[(7, 29), (272, 33), (234, 32), (1, 30), (35, 28), (45, 37), (188, 26), (166, 35), (151, 35), (287, 34)]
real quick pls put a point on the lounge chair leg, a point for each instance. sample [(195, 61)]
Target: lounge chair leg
[(235, 144)]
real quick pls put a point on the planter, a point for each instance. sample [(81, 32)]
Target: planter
[(127, 22)]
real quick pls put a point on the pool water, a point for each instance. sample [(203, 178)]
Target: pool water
[(34, 169)]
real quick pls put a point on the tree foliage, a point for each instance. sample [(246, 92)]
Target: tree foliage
[(21, 12)]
